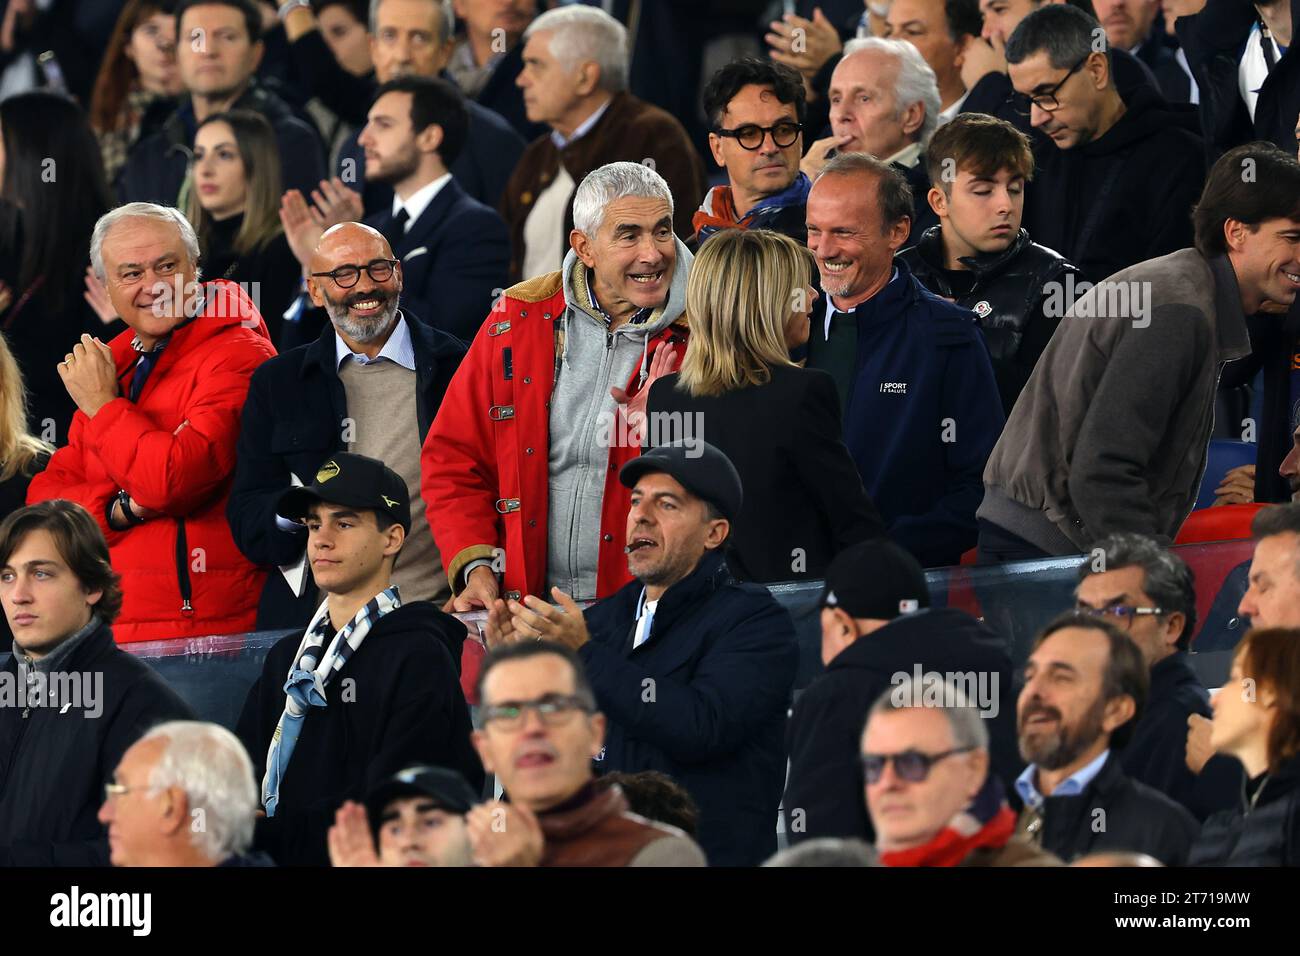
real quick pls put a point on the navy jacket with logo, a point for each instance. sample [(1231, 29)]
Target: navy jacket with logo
[(703, 699), (922, 416)]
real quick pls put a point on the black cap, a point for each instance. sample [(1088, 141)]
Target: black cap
[(446, 788), (700, 468), (355, 481), (875, 580)]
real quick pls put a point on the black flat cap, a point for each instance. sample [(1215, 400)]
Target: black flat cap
[(699, 467)]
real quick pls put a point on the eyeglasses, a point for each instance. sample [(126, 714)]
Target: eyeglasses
[(114, 790), (911, 765), (553, 710), (1122, 612), (751, 135), (345, 277), (1045, 101)]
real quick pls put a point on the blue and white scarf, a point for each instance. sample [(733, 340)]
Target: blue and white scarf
[(308, 678)]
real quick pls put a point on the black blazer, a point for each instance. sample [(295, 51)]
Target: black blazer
[(455, 258), (292, 422), (804, 501)]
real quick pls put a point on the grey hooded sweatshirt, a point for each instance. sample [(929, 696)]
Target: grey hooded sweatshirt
[(583, 413)]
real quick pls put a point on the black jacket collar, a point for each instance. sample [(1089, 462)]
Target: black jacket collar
[(709, 575), (430, 344), (982, 265)]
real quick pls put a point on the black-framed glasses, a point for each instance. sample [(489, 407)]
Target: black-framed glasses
[(1045, 101), (345, 277), (751, 135), (554, 710), (910, 765), (1121, 612)]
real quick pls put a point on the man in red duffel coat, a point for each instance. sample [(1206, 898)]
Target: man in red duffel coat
[(151, 450), (520, 469)]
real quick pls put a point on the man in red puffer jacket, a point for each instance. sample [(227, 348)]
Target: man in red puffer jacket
[(151, 450)]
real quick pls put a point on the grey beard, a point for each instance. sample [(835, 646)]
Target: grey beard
[(358, 332)]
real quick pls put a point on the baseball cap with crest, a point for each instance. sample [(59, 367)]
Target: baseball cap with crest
[(355, 481)]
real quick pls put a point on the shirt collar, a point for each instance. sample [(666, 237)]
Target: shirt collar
[(1071, 786), (419, 200), (908, 156), (947, 115), (831, 310), (399, 348), (583, 129)]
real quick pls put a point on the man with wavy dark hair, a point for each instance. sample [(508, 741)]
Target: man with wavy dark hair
[(71, 702)]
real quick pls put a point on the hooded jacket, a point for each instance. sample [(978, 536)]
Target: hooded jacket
[(1009, 299), (1264, 830), (1063, 475), (173, 451), (520, 467), (702, 699), (823, 795), (395, 703), (54, 764), (1126, 196)]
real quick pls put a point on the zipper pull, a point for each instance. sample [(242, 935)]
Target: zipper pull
[(186, 608)]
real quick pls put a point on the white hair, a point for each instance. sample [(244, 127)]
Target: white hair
[(446, 19), (964, 719), (602, 186), (579, 34), (140, 210), (210, 764), (916, 82)]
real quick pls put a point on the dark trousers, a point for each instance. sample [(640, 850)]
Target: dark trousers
[(997, 546)]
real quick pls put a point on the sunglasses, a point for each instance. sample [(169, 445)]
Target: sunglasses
[(910, 765)]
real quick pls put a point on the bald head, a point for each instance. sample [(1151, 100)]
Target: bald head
[(361, 296), (349, 243)]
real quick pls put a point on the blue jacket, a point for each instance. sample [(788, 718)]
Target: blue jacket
[(703, 699), (922, 415)]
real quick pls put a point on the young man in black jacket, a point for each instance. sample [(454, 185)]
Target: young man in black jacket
[(71, 702), (372, 686), (218, 50), (692, 669), (878, 630), (978, 256), (1085, 688)]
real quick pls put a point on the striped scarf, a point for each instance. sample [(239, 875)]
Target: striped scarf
[(986, 821), (310, 675)]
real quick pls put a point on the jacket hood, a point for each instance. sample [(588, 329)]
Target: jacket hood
[(1147, 112), (577, 294), (423, 617), (938, 626)]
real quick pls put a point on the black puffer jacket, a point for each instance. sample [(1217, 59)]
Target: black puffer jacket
[(54, 764), (1263, 831), (1015, 311)]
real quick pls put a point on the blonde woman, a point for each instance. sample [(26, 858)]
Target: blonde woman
[(748, 299), (21, 454)]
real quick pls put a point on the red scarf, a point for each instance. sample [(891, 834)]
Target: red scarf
[(987, 822), (718, 210)]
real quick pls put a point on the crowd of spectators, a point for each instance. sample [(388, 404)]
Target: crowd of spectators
[(500, 355)]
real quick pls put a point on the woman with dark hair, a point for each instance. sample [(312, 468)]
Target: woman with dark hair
[(138, 80), (52, 191), (234, 206), (1257, 720)]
